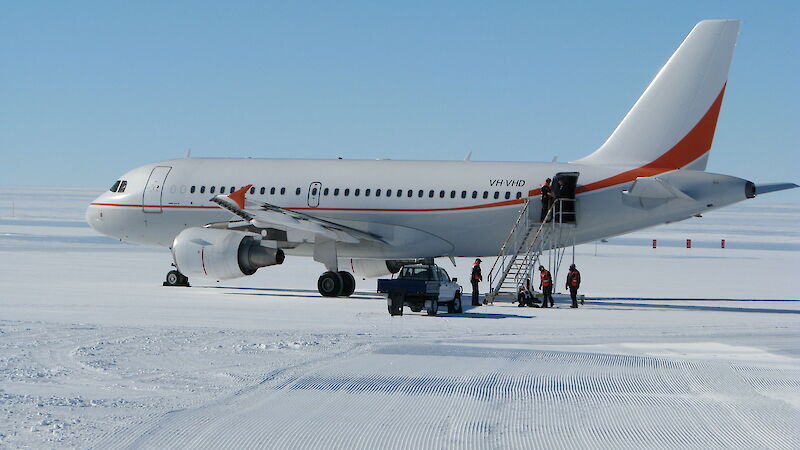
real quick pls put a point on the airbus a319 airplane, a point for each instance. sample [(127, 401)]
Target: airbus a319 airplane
[(225, 218)]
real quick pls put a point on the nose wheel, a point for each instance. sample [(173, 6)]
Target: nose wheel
[(175, 278), (336, 284)]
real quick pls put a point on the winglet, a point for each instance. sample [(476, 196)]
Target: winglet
[(238, 196)]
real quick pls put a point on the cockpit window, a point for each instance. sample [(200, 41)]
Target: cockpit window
[(122, 186), (115, 186)]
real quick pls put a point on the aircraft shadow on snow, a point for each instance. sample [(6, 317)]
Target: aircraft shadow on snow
[(313, 294)]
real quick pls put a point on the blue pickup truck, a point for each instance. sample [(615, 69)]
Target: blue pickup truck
[(421, 286)]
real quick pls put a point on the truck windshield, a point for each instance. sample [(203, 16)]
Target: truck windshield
[(422, 273)]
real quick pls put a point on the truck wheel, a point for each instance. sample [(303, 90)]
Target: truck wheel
[(396, 300), (330, 284), (348, 284), (455, 306), (434, 307)]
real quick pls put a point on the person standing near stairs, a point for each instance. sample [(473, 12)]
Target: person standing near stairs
[(546, 285), (476, 278), (547, 199), (573, 283)]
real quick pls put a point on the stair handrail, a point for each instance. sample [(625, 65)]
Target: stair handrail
[(502, 257), (501, 254)]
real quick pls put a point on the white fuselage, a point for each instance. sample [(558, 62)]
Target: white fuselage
[(473, 217)]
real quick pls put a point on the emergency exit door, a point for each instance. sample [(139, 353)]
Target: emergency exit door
[(314, 191), (151, 199)]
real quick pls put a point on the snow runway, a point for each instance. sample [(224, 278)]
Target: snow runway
[(95, 353)]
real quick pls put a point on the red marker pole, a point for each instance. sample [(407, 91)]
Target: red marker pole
[(688, 243), (722, 243), (654, 243)]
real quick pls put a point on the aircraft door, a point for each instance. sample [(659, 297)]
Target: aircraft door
[(151, 199), (564, 187), (314, 191)]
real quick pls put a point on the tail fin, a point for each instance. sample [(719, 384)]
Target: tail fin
[(672, 124)]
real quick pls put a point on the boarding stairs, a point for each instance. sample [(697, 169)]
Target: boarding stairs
[(530, 244)]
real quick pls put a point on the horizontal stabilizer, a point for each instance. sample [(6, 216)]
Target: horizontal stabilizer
[(773, 187)]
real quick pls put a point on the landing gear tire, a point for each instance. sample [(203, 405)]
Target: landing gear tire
[(330, 284), (433, 307), (348, 284), (175, 278), (396, 300), (455, 306)]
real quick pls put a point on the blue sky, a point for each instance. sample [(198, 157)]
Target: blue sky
[(92, 89)]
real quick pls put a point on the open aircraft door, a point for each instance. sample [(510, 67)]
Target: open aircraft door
[(151, 199)]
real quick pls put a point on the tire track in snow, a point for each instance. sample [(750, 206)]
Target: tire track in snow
[(401, 397)]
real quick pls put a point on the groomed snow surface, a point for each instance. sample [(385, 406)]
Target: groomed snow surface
[(95, 353)]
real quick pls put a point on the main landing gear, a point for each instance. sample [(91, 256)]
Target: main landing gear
[(336, 284), (175, 278)]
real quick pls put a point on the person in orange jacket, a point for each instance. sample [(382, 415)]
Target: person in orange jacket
[(546, 285), (573, 283)]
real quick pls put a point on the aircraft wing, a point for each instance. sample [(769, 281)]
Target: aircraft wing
[(262, 216)]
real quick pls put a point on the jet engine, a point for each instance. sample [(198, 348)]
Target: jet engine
[(373, 268), (221, 254)]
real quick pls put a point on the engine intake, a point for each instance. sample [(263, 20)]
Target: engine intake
[(221, 254)]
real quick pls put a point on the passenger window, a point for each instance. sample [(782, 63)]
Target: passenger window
[(191, 190), (336, 191), (272, 191), (356, 192), (326, 191), (347, 192), (430, 193), (519, 195), (410, 193), (212, 189), (388, 192), (485, 194), (496, 194), (441, 194), (377, 192), (463, 194), (508, 195), (419, 194), (366, 192), (263, 189), (222, 190), (115, 186), (452, 194), (474, 194), (297, 191), (122, 186), (202, 189), (283, 190)]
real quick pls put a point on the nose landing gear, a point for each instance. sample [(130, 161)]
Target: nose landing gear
[(336, 284), (175, 278)]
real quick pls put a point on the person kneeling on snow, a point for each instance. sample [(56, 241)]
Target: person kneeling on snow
[(525, 297)]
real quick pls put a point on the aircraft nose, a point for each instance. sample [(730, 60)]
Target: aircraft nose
[(94, 217)]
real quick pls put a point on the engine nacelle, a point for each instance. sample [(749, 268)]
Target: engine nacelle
[(221, 254), (373, 268)]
